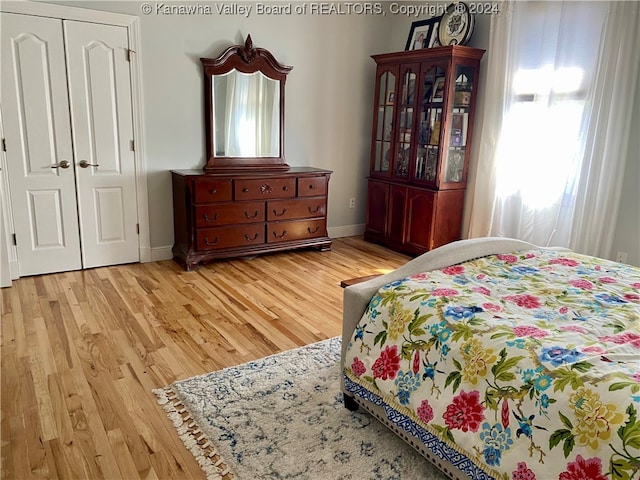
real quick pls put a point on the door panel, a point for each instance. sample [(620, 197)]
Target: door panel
[(38, 136), (100, 97)]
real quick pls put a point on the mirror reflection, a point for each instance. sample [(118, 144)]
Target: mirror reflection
[(247, 115)]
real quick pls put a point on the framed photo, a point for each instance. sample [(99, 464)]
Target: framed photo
[(434, 39), (423, 34), (419, 35), (438, 90), (390, 98)]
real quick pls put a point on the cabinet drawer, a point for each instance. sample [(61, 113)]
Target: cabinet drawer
[(290, 231), (264, 188), (298, 208), (312, 186), (229, 237), (207, 190), (229, 213)]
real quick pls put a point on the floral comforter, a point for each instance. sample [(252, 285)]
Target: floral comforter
[(518, 366)]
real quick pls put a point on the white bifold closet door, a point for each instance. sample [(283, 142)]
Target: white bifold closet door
[(66, 105)]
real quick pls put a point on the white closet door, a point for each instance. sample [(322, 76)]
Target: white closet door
[(102, 125), (37, 130)]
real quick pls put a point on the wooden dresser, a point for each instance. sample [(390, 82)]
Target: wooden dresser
[(242, 214)]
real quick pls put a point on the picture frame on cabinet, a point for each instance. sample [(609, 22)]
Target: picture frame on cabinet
[(420, 35), (434, 40), (438, 90), (390, 98)]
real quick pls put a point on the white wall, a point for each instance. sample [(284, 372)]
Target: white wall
[(328, 97)]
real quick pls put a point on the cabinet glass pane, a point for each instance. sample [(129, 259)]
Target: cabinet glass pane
[(384, 122), (430, 108), (406, 123), (459, 123)]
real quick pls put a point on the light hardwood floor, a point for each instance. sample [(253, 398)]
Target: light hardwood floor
[(81, 351)]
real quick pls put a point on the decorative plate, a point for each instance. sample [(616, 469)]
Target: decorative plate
[(456, 25)]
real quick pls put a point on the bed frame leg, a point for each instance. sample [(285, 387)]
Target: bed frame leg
[(349, 402)]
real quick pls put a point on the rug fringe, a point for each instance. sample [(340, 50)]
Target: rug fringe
[(205, 453)]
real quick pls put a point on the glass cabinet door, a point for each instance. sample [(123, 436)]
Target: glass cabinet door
[(384, 122), (408, 92), (430, 118), (458, 124)]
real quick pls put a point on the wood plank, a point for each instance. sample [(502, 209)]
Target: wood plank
[(81, 351)]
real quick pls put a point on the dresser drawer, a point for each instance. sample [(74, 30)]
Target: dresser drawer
[(260, 189), (209, 190), (300, 230), (229, 213), (312, 186), (230, 237), (298, 208)]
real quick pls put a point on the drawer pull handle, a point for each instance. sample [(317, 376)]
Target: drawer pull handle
[(245, 190), (207, 219), (314, 231), (285, 188), (311, 186), (275, 212), (317, 210), (284, 232), (213, 191), (249, 239), (246, 214), (207, 242)]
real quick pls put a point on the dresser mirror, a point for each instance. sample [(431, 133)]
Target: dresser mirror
[(244, 110)]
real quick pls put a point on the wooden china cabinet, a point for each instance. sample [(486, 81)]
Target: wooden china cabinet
[(424, 106), (247, 200)]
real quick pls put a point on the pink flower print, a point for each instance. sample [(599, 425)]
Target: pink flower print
[(636, 377), (607, 280), (529, 331), (507, 258), (504, 413), (420, 276), (636, 285), (524, 300), (631, 297), (492, 307), (416, 362), (523, 473), (582, 284), (594, 350), (567, 262), (563, 310), (482, 290), (529, 255), (387, 364), (480, 276), (453, 270), (466, 412), (425, 412), (622, 338), (444, 292), (573, 328), (581, 469), (357, 367)]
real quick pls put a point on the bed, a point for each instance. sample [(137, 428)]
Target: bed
[(495, 358)]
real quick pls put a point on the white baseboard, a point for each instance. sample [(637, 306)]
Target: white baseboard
[(346, 231), (161, 253)]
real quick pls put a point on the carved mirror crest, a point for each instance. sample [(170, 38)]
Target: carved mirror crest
[(244, 110)]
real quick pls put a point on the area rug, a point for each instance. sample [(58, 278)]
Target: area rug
[(282, 417)]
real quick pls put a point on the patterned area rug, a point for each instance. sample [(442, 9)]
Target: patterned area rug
[(282, 417)]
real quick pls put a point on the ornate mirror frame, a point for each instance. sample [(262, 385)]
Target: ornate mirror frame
[(246, 59)]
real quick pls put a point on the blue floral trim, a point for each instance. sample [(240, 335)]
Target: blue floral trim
[(433, 443)]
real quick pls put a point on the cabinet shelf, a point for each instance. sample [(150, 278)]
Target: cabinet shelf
[(418, 173)]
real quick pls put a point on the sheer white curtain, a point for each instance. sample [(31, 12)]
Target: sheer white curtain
[(553, 139)]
